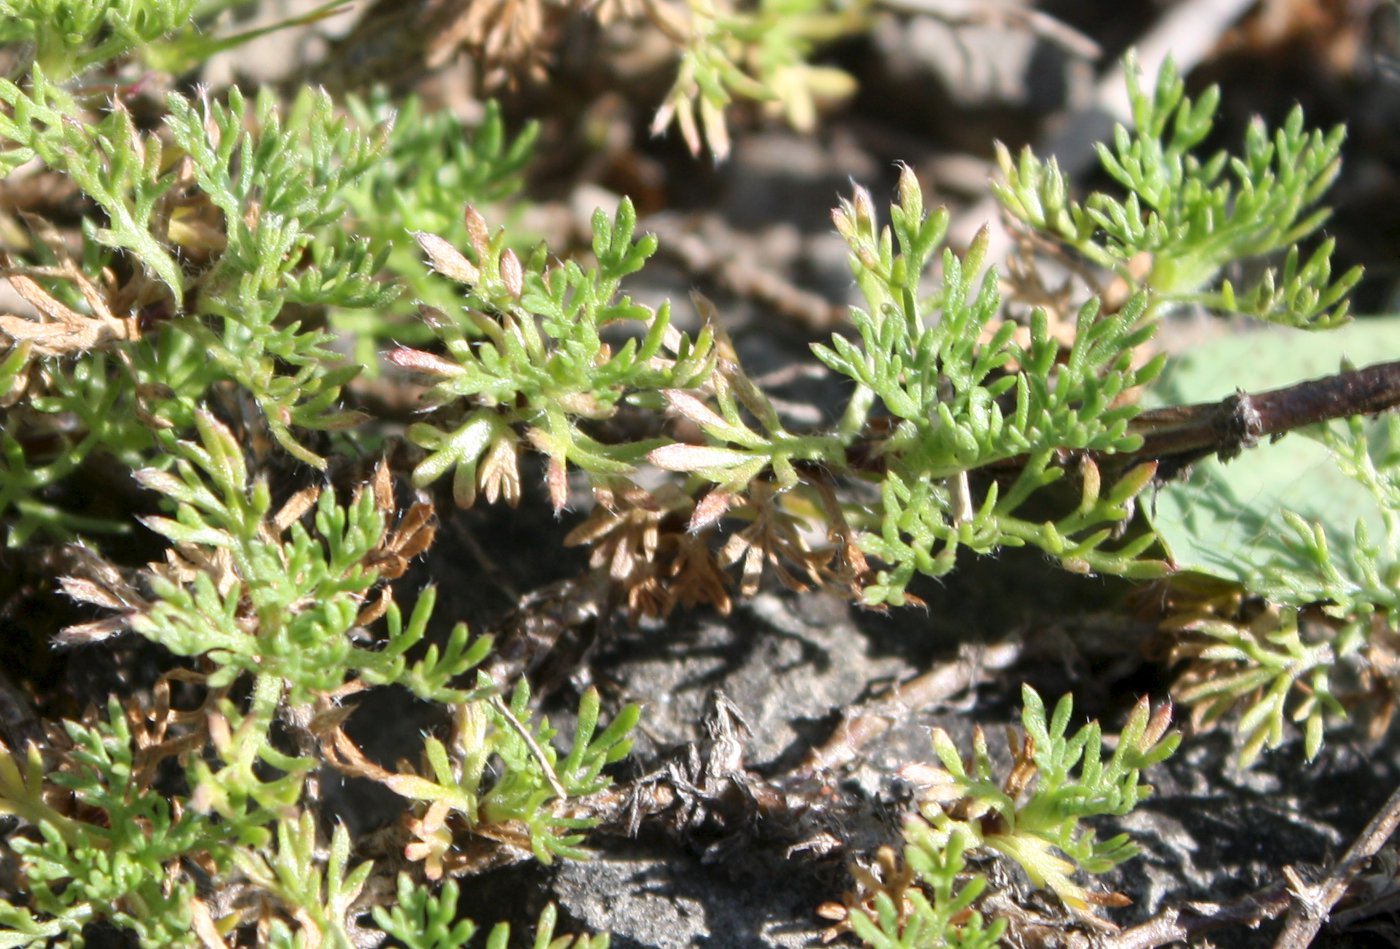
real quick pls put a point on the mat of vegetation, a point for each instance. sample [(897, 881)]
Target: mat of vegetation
[(688, 472)]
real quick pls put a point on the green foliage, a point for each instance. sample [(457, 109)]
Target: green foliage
[(286, 602), (759, 54), (1305, 523), (180, 51), (116, 166), (1225, 520), (222, 233), (272, 186), (321, 897), (221, 239), (112, 863), (1266, 667), (956, 408), (421, 919), (533, 791), (1278, 666), (537, 362), (257, 595), (103, 406), (580, 773), (940, 368), (527, 349), (115, 862), (1358, 576), (67, 38), (937, 858), (1033, 817), (283, 190), (432, 166), (428, 677), (1194, 216)]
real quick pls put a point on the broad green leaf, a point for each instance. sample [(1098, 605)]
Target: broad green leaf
[(1225, 519)]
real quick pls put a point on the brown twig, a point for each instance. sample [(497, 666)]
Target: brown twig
[(1182, 434), (1311, 908), (1237, 421)]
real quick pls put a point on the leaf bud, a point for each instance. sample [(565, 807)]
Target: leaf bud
[(477, 231), (419, 361), (865, 210), (844, 225), (709, 509), (911, 196), (499, 474), (557, 479), (446, 259), (511, 274), (683, 457)]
